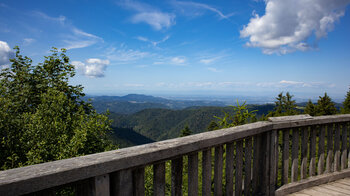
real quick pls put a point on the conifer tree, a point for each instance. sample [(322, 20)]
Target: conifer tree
[(310, 108), (346, 104), (325, 106), (185, 131)]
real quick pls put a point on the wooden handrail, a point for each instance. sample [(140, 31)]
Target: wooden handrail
[(119, 167)]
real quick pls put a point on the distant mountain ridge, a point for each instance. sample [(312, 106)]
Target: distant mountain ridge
[(133, 103)]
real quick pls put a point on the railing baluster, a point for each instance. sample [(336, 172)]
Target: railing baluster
[(344, 146), (239, 167), (122, 182), (266, 163), (273, 160), (159, 179), (206, 172), (218, 170), (304, 144), (248, 165), (320, 168), (138, 178), (193, 174), (257, 164), (295, 151), (313, 134), (329, 148), (337, 147), (285, 157), (229, 168), (176, 176)]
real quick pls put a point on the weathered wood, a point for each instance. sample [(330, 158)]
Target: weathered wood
[(337, 148), (304, 145), (248, 166), (320, 168), (122, 183), (290, 118), (85, 187), (218, 165), (344, 146), (159, 179), (312, 181), (46, 175), (138, 178), (256, 164), (229, 168), (295, 155), (329, 148), (312, 166), (46, 192), (176, 176), (206, 172), (239, 168), (193, 174), (273, 161), (101, 185), (266, 163), (285, 157)]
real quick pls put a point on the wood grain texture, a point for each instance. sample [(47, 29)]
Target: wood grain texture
[(138, 178), (285, 157), (337, 147), (273, 161), (239, 168), (329, 159), (193, 174), (295, 155), (248, 166), (218, 165), (344, 147), (229, 168), (206, 172), (159, 179), (122, 182), (321, 150), (304, 149), (176, 176), (312, 165)]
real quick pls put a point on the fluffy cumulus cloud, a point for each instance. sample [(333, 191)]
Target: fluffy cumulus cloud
[(5, 54), (288, 25), (93, 68)]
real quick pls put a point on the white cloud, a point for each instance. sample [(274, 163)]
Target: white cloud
[(93, 68), (154, 43), (196, 9), (60, 19), (28, 41), (149, 15), (294, 84), (288, 24), (124, 54), (179, 60), (5, 54), (212, 69), (80, 39)]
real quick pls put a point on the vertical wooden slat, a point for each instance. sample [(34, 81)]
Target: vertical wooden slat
[(273, 161), (285, 157), (101, 185), (138, 178), (304, 144), (248, 166), (218, 170), (337, 147), (159, 179), (176, 176), (46, 192), (121, 182), (85, 187), (344, 146), (320, 168), (206, 172), (329, 148), (239, 167), (313, 135), (257, 169), (266, 163), (229, 168), (295, 152), (193, 174)]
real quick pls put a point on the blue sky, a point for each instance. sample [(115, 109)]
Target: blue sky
[(162, 47)]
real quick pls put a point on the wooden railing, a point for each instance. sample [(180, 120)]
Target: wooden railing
[(277, 157)]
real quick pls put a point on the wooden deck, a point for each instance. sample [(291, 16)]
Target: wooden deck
[(339, 187)]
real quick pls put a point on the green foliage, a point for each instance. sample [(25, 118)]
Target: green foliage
[(285, 106), (241, 115), (185, 131), (42, 117), (212, 126), (310, 108), (325, 106), (346, 104)]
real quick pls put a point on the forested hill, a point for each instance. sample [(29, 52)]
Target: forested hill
[(161, 124), (133, 103)]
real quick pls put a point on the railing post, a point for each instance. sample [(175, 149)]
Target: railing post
[(273, 161), (122, 183)]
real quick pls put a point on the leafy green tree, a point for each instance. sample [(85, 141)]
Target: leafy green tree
[(325, 106), (310, 108), (185, 131), (285, 106), (42, 116), (346, 104)]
